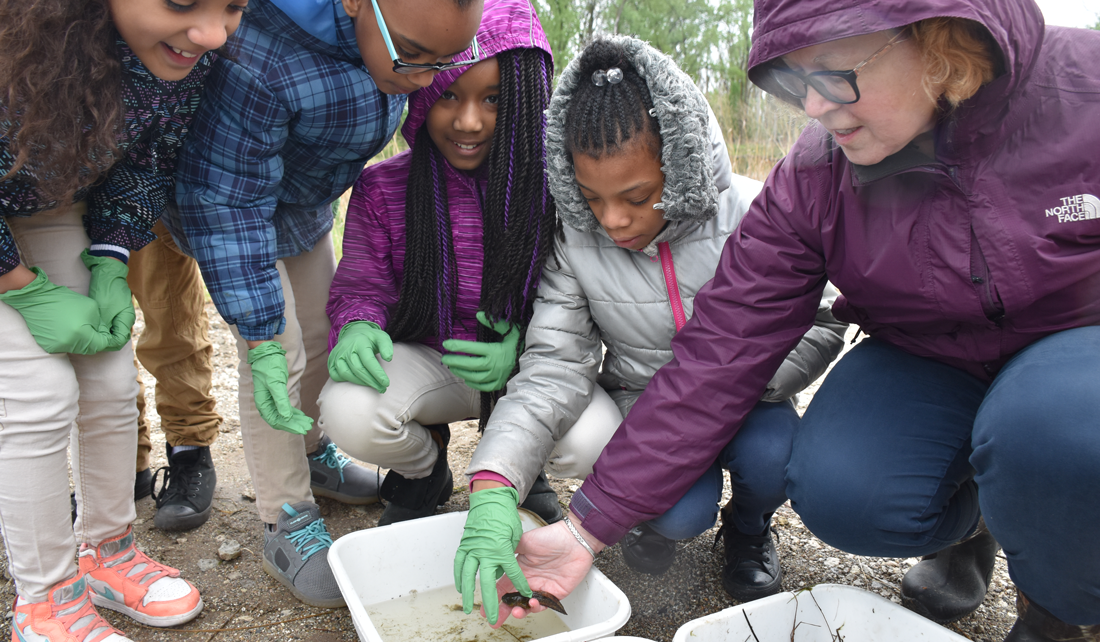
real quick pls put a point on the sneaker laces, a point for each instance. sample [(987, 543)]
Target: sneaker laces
[(179, 482), (315, 531), (333, 459), (137, 563)]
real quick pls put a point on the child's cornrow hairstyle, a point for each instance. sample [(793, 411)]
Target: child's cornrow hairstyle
[(60, 80), (605, 118), (518, 215)]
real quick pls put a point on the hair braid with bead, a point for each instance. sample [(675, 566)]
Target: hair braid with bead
[(605, 118)]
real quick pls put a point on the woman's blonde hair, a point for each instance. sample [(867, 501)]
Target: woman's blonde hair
[(959, 57)]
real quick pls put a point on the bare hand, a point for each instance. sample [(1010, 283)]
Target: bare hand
[(552, 561)]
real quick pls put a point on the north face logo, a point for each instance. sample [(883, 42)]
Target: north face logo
[(1076, 208)]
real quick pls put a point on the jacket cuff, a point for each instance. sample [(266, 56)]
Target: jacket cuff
[(595, 522), (110, 250), (491, 476), (262, 332), (6, 266)]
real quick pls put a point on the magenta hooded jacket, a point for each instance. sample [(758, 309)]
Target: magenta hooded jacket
[(368, 279), (965, 258)]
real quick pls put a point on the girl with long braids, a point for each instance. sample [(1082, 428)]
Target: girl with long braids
[(640, 174), (95, 99), (443, 249)]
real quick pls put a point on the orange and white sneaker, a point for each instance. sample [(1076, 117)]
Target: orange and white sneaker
[(67, 615), (124, 579)]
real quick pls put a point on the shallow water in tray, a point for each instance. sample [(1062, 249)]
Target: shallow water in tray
[(437, 615)]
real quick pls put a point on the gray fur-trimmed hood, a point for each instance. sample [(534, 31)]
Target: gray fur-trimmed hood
[(690, 193)]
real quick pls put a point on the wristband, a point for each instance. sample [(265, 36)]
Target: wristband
[(573, 529)]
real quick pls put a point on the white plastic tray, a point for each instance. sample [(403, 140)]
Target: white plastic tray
[(380, 564), (824, 613)]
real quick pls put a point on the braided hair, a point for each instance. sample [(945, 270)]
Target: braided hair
[(518, 216), (603, 119)]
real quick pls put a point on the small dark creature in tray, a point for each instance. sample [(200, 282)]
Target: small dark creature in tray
[(545, 599)]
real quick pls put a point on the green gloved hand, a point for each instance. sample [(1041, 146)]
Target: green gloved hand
[(109, 289), (489, 542), (353, 358), (59, 319), (491, 364), (269, 377)]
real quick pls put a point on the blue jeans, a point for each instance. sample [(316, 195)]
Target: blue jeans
[(756, 458), (894, 449)]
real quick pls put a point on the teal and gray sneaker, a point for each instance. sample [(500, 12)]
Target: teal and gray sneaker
[(333, 475), (296, 554)]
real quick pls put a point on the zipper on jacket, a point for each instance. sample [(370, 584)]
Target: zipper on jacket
[(982, 278), (673, 288)]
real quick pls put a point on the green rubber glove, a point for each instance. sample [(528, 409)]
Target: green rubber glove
[(353, 358), (59, 319), (489, 542), (269, 377), (109, 289), (491, 364)]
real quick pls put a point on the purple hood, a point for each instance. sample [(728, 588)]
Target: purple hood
[(505, 24), (1016, 25)]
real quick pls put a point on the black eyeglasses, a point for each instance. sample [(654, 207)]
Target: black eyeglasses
[(402, 67), (835, 86)]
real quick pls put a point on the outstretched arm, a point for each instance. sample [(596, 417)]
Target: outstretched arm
[(553, 560)]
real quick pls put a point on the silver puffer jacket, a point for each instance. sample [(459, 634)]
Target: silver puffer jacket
[(594, 294)]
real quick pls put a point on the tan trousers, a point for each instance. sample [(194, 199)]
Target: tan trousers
[(174, 346), (388, 429), (49, 402), (276, 459)]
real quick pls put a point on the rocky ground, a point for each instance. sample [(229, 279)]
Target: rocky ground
[(244, 603)]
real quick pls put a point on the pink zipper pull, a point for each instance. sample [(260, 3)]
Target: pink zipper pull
[(673, 288)]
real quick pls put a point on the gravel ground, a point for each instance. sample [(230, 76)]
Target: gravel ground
[(244, 603)]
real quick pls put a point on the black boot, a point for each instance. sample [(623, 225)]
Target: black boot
[(952, 583), (752, 569), (543, 501), (647, 551), (143, 484), (1036, 624), (416, 498), (187, 494)]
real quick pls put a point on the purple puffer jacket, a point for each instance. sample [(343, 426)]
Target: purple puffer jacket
[(966, 258), (368, 279)]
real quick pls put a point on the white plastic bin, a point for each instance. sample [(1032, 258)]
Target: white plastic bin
[(409, 567), (816, 615)]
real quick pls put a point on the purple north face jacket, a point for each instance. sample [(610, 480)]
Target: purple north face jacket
[(964, 258)]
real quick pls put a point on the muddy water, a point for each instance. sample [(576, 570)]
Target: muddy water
[(437, 615)]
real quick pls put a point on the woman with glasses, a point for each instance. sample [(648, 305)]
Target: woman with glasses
[(948, 188)]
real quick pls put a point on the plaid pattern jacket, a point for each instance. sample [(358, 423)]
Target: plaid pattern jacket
[(284, 129), (124, 205)]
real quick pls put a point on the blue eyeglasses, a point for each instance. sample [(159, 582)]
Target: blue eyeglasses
[(401, 67)]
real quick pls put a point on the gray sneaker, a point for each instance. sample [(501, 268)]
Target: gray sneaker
[(333, 475), (296, 554)]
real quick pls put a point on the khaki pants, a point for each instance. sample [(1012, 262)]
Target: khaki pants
[(276, 459), (49, 402), (175, 346), (388, 429)]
